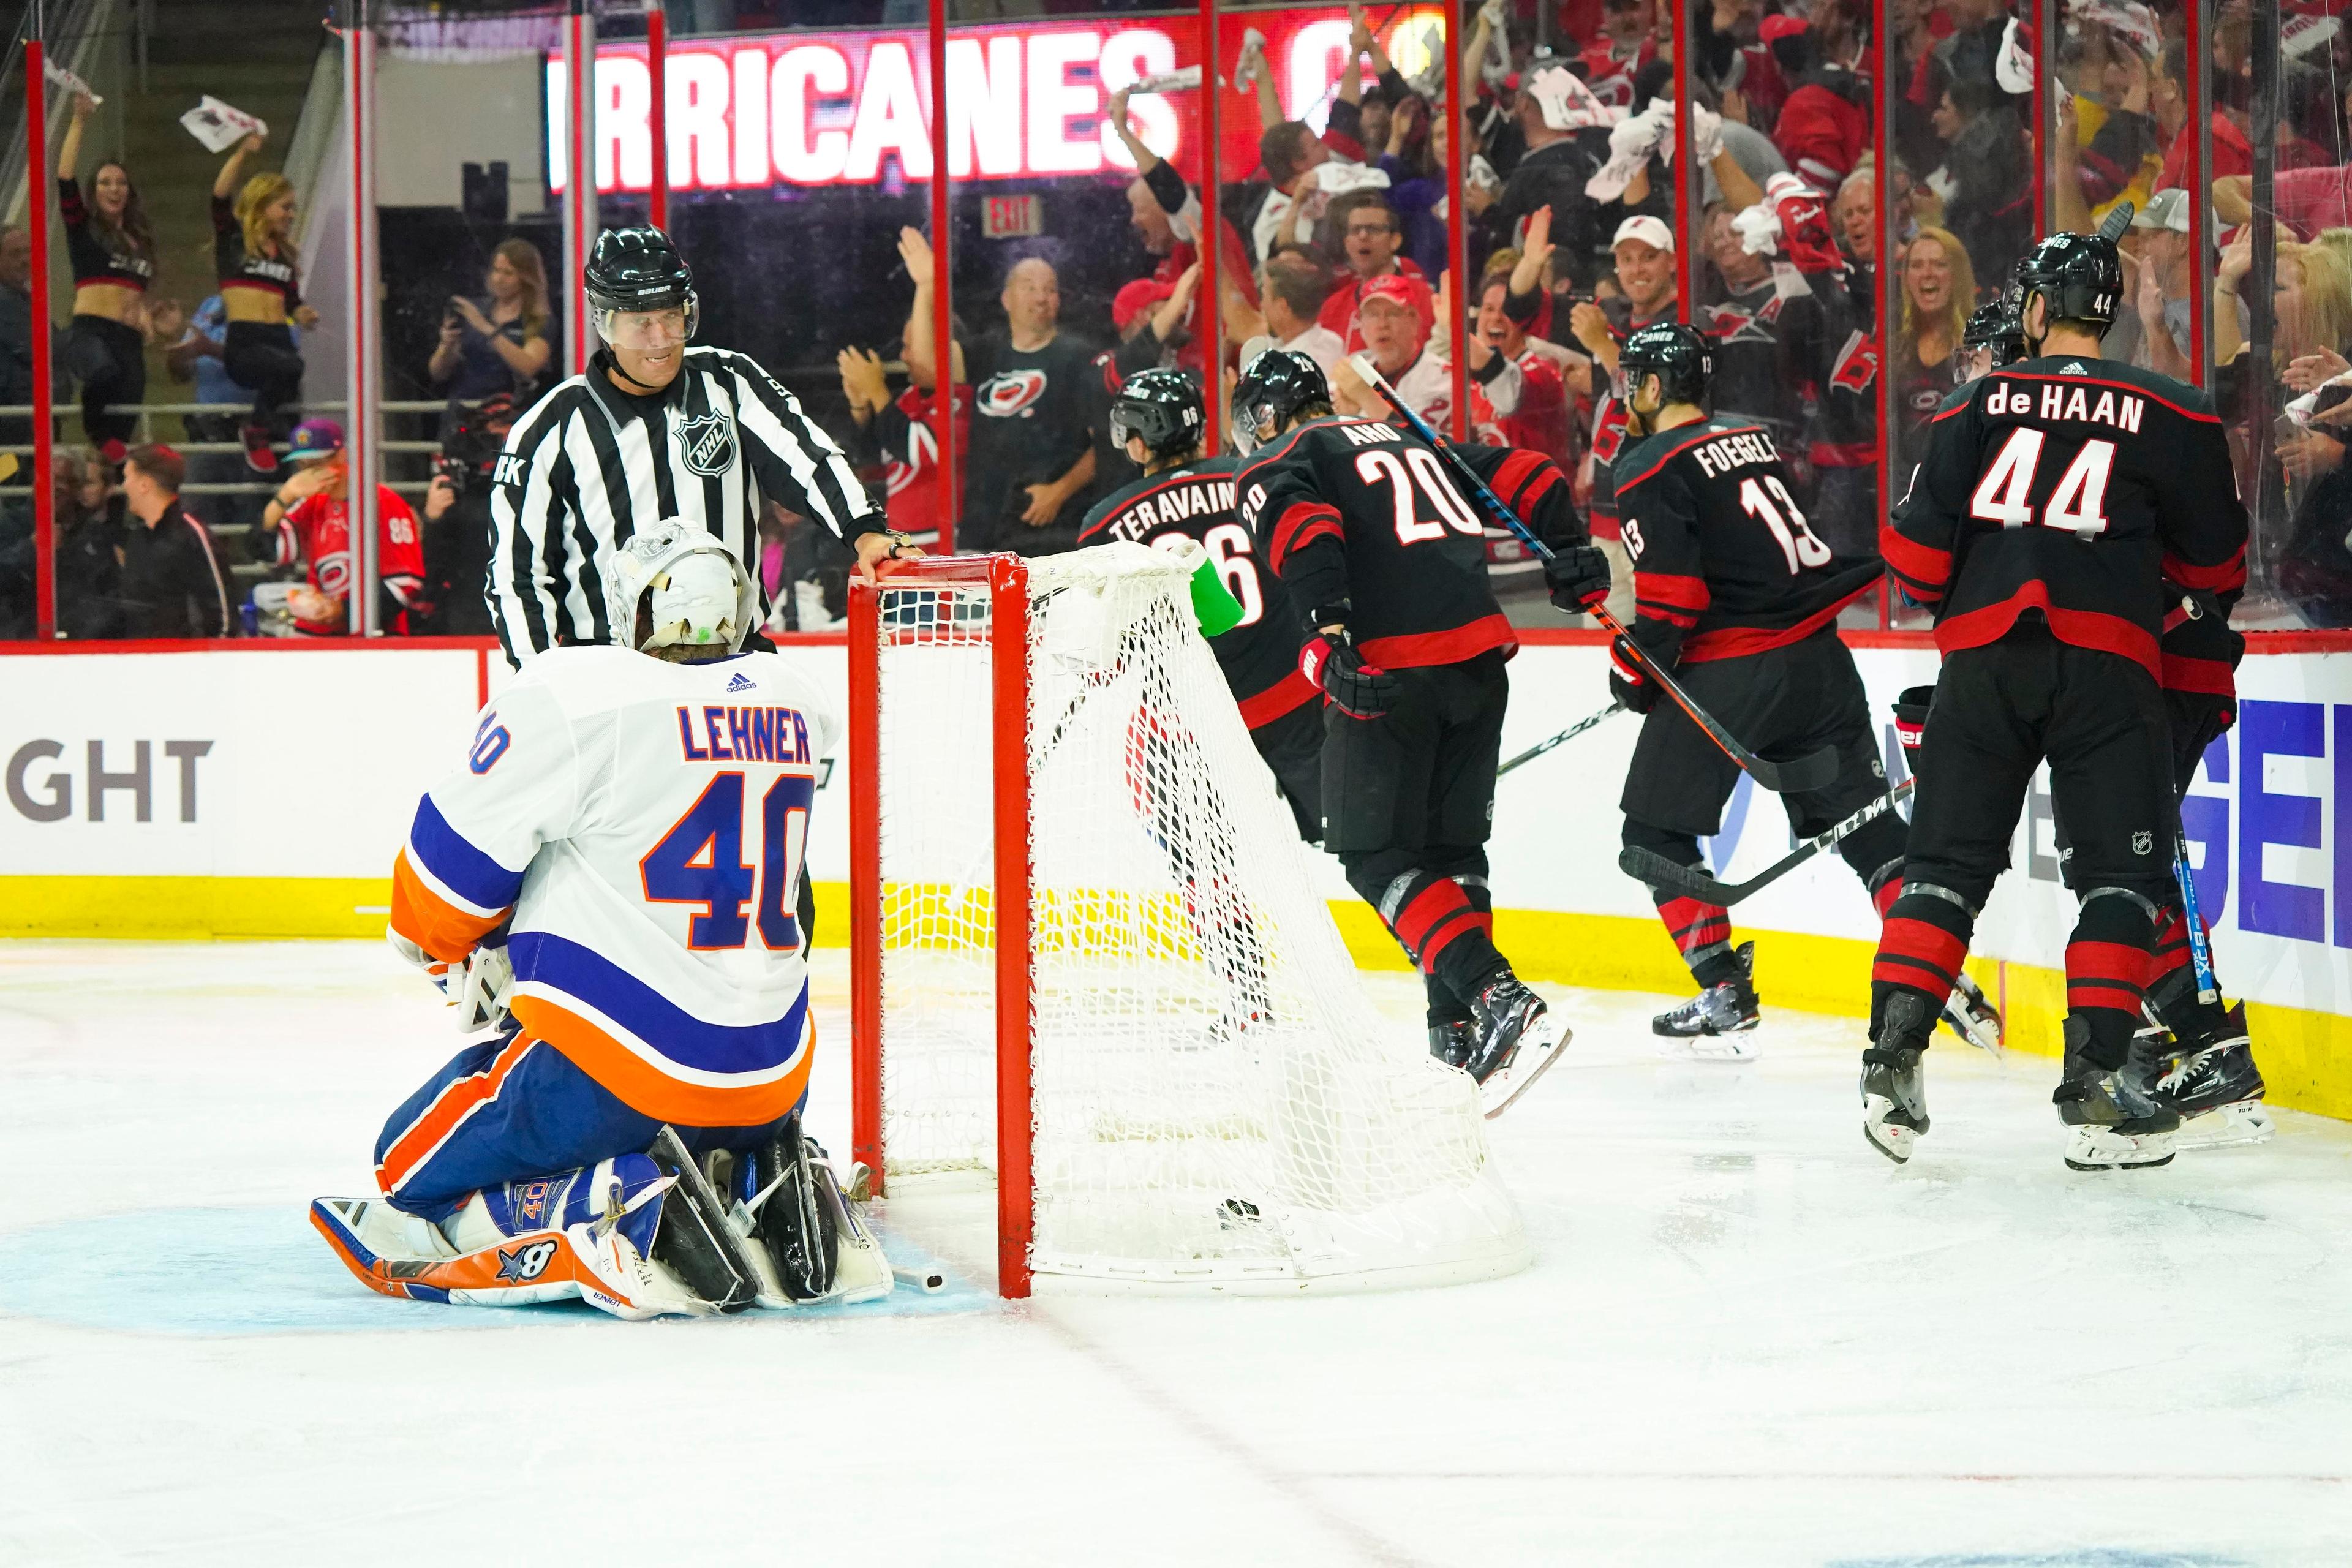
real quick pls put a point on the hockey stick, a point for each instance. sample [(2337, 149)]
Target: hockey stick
[(1571, 733), (1647, 865), (2201, 955), (1812, 771)]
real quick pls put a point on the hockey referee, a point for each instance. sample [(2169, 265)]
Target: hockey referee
[(652, 429)]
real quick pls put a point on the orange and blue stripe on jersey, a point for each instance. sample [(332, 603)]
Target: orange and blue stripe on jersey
[(446, 894), (647, 1051)]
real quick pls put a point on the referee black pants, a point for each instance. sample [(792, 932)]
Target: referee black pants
[(2000, 711), (1408, 804)]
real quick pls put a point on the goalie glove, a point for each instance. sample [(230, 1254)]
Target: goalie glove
[(1360, 690)]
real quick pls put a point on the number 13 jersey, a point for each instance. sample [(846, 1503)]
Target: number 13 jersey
[(1724, 562), (639, 827), (2072, 486)]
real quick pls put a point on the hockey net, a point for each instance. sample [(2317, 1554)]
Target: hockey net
[(1090, 961)]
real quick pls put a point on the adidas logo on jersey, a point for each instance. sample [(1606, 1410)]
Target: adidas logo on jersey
[(738, 683), (2073, 367)]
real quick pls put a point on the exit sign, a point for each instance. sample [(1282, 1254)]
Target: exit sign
[(1012, 217)]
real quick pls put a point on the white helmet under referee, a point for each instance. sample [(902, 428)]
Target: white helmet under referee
[(654, 428)]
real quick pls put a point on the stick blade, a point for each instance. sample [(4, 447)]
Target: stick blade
[(1654, 870), (1816, 770)]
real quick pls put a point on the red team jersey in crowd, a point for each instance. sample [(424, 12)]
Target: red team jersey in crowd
[(317, 531)]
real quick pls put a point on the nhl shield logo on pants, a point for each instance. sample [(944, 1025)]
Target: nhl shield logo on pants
[(707, 443), (2143, 841)]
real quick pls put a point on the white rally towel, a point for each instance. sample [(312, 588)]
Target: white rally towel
[(220, 127), (66, 82)]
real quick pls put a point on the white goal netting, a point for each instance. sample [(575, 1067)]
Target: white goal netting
[(1216, 1101)]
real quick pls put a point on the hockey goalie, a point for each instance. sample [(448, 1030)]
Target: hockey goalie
[(611, 879)]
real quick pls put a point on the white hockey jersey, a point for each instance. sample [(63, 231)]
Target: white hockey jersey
[(646, 824)]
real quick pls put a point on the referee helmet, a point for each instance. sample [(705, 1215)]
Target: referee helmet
[(637, 268)]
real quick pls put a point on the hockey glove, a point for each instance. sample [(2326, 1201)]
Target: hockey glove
[(1628, 681), (1577, 578), (1360, 691)]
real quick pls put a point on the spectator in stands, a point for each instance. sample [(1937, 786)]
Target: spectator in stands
[(1646, 293), (1293, 156), (1939, 291), (2108, 147), (1292, 287), (2157, 275), (1989, 177), (1546, 370), (89, 549), (498, 344), (2307, 200), (307, 525), (894, 443), (199, 356), (112, 251), (1157, 200), (1368, 235), (1626, 45), (458, 518), (1398, 314), (16, 337), (1032, 459), (1566, 134), (1855, 213), (173, 583), (260, 285), (1825, 124)]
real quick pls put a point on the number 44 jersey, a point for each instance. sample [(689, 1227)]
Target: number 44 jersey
[(2071, 488), (1724, 562), (638, 827)]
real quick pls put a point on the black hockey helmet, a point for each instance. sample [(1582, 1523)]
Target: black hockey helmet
[(1273, 387), (1678, 355), (1162, 409), (1994, 329), (637, 268), (2080, 277)]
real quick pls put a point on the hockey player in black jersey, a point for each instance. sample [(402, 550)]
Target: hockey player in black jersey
[(1735, 595), (2057, 496), (1386, 562), (1158, 421)]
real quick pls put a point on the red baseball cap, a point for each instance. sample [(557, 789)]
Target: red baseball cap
[(1134, 299), (1772, 29), (1407, 293)]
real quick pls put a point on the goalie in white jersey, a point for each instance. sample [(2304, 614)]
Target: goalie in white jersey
[(609, 877)]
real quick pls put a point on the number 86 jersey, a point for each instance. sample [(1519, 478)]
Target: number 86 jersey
[(2071, 488), (644, 824), (1725, 564)]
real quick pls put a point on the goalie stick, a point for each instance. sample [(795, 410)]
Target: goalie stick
[(1812, 772), (1647, 865), (1571, 733)]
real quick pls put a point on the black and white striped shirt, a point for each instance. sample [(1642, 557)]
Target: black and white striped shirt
[(588, 467)]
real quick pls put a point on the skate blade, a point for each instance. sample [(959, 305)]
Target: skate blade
[(2235, 1126), (1985, 1037), (1535, 1054), (2091, 1147), (1891, 1139), (1733, 1049)]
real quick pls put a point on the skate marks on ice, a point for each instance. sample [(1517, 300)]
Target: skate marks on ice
[(218, 1272)]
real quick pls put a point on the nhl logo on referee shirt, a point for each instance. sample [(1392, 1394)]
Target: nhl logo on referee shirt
[(707, 443)]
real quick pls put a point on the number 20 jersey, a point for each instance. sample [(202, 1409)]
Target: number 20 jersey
[(644, 824), (1357, 509), (1724, 562), (2072, 486), (1195, 501)]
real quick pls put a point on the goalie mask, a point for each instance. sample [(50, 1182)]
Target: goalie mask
[(697, 592)]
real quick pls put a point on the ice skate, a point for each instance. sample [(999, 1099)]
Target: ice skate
[(1717, 1025), (1970, 1015), (2114, 1124), (1515, 1041), (1894, 1082), (2212, 1086), (1451, 1043)]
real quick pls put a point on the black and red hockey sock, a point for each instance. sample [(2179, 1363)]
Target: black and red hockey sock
[(2108, 959), (1446, 934), (1702, 933), (1874, 851), (1921, 947)]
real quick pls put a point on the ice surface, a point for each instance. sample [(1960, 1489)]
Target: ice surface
[(1748, 1339)]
